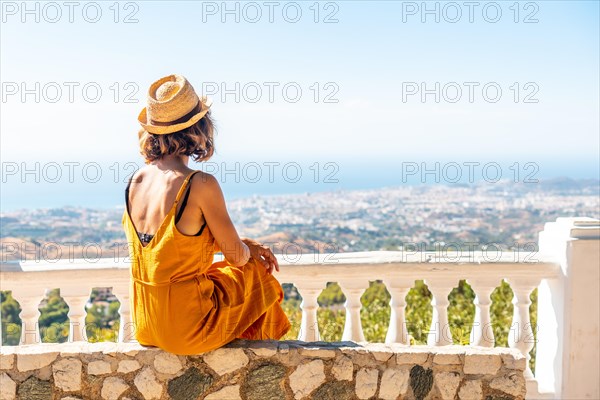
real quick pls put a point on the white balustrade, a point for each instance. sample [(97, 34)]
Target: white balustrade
[(439, 334), (76, 298), (353, 290), (567, 351), (482, 333), (397, 330), (126, 328), (30, 313), (565, 272), (521, 332), (310, 291)]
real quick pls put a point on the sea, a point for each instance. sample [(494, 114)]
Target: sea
[(102, 185)]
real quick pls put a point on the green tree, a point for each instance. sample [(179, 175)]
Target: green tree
[(54, 321), (11, 322), (102, 321)]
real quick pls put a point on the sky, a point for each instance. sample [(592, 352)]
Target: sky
[(366, 86)]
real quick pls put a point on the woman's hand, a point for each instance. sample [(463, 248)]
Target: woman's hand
[(262, 254)]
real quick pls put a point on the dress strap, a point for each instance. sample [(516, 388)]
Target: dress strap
[(183, 187), (183, 203), (182, 208), (127, 191)]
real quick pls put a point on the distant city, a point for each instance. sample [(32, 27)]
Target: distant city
[(506, 214)]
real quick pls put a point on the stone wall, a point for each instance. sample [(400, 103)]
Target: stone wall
[(261, 370)]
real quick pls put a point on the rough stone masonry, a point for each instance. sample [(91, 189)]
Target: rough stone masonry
[(261, 370)]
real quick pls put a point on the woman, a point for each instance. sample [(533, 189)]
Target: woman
[(175, 220)]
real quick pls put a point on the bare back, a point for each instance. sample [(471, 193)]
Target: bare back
[(152, 194)]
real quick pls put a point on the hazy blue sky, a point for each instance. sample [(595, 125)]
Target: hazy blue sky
[(368, 61)]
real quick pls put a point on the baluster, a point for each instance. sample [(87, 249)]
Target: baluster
[(353, 290), (76, 298), (482, 333), (397, 332), (521, 335), (310, 291), (30, 313), (126, 328), (77, 314), (439, 334)]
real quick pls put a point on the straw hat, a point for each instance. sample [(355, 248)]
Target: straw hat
[(172, 105)]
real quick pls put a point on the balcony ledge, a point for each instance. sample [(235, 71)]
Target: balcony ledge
[(245, 369)]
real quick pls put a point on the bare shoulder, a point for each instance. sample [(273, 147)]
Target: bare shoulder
[(203, 178), (139, 175), (204, 185)]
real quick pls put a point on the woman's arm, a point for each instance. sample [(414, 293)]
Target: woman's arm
[(212, 203), (237, 251)]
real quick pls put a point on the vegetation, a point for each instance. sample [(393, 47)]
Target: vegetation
[(375, 314), (102, 321)]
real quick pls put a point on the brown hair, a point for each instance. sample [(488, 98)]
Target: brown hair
[(196, 141)]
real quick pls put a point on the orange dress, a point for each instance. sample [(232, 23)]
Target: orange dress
[(184, 303)]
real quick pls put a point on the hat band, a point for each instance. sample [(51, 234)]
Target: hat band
[(186, 117)]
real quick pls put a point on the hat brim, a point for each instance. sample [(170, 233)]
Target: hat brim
[(166, 129)]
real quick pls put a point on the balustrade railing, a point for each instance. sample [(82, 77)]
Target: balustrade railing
[(565, 271)]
